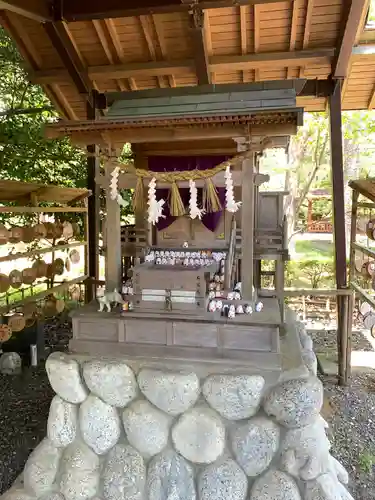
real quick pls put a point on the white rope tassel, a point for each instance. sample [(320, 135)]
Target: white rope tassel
[(155, 208), (231, 205), (193, 202)]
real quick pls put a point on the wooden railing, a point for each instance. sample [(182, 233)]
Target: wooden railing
[(133, 241), (320, 227)]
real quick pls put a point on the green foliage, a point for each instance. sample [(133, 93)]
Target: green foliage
[(318, 272), (366, 462)]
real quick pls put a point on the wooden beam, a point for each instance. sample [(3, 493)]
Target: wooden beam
[(37, 10), (247, 228), (176, 134), (338, 185), (293, 31), (256, 24), (163, 49), (208, 39), (371, 103), (182, 67), (306, 31), (244, 39), (60, 39), (73, 10), (344, 50), (146, 26), (198, 37)]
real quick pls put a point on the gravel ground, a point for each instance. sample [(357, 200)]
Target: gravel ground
[(25, 399)]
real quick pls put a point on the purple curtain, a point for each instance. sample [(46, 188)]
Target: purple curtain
[(179, 163)]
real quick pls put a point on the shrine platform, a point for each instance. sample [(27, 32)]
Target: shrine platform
[(253, 339)]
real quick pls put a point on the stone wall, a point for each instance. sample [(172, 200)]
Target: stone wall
[(119, 433)]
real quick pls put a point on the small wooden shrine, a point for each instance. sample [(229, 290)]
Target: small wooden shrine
[(195, 290)]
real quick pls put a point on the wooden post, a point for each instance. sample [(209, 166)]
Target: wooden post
[(339, 221), (247, 225), (92, 228), (113, 240)]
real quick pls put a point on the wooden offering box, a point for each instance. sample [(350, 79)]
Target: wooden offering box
[(171, 288)]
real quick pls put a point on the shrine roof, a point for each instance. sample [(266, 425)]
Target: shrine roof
[(71, 47)]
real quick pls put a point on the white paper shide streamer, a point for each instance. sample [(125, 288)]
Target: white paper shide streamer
[(155, 208), (113, 186), (194, 211), (231, 205)]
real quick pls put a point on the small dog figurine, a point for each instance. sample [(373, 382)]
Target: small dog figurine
[(108, 298)]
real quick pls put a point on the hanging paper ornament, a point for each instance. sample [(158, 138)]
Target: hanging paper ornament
[(113, 183), (194, 211), (230, 204), (113, 187), (155, 208)]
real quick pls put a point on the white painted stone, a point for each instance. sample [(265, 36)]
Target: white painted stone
[(235, 397), (223, 480), (146, 427), (275, 485), (254, 444), (295, 403), (79, 472), (113, 381), (41, 468), (172, 392), (305, 451), (53, 495), (170, 477), (339, 470), (16, 493), (64, 376), (199, 435), (10, 363), (62, 422), (326, 487), (100, 424), (124, 474), (311, 361)]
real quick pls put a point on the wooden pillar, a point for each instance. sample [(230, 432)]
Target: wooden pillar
[(93, 170), (113, 276), (247, 227), (309, 213), (339, 223)]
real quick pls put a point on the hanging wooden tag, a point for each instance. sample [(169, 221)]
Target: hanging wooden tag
[(4, 235), (15, 234), (4, 283), (29, 275), (59, 305), (41, 268), (58, 266), (40, 231), (68, 231), (74, 256), (17, 322), (15, 278), (5, 333), (370, 226)]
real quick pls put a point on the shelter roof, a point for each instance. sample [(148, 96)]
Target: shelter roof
[(72, 47), (366, 187), (16, 191)]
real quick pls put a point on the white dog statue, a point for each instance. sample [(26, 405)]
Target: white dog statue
[(109, 298)]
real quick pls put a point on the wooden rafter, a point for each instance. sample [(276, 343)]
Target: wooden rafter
[(30, 56), (118, 49), (146, 25), (60, 39), (104, 38), (64, 104), (37, 10), (244, 40), (353, 21), (306, 32), (75, 10), (256, 24), (198, 35), (216, 63), (163, 50), (293, 31), (208, 38)]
